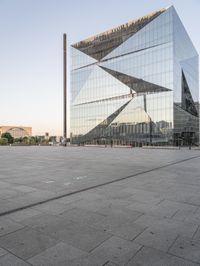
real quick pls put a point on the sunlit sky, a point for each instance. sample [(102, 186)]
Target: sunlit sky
[(31, 81)]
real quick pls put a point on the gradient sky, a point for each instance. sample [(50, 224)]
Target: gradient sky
[(31, 49)]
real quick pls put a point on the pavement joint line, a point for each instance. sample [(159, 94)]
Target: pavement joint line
[(142, 247), (185, 202), (94, 186), (160, 202), (179, 257), (135, 238), (106, 263), (173, 243), (174, 214), (103, 241), (10, 252), (193, 236), (12, 232)]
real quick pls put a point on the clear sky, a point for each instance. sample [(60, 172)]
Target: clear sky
[(31, 49)]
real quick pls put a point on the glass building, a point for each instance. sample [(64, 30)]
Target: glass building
[(136, 84)]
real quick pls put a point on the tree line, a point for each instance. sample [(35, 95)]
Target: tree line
[(7, 138)]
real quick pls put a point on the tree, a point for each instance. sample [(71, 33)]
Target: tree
[(3, 141), (18, 140), (25, 140), (52, 139), (32, 140), (8, 136), (37, 140)]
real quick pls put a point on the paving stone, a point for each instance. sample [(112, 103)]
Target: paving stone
[(168, 197), (146, 197), (158, 210), (117, 193), (3, 252), (87, 217), (197, 234), (11, 260), (88, 261), (193, 218), (115, 205), (26, 243), (22, 215), (93, 205), (115, 249), (153, 257), (140, 206), (33, 197), (25, 189), (81, 236), (186, 248), (41, 220), (100, 193), (149, 220), (154, 209), (60, 254), (6, 193), (69, 199), (44, 163), (168, 225), (111, 264), (78, 234), (5, 184), (195, 199), (8, 205), (120, 213), (49, 224), (178, 195), (187, 216), (8, 226), (181, 228), (53, 207), (177, 205), (156, 239), (152, 186), (119, 226)]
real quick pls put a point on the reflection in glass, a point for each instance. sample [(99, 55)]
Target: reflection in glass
[(136, 84)]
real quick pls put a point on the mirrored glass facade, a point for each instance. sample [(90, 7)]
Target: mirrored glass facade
[(136, 84)]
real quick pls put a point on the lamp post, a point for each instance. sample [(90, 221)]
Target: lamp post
[(65, 88)]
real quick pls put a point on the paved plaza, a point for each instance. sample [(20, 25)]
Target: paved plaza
[(92, 206)]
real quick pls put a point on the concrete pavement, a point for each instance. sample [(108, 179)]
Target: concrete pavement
[(138, 207)]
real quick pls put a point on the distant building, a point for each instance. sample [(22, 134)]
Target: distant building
[(16, 131), (58, 138), (136, 84), (46, 135)]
